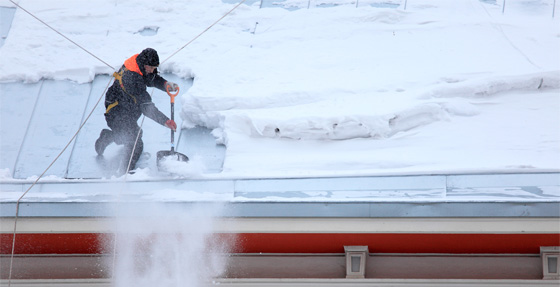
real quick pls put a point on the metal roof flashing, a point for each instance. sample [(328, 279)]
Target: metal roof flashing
[(490, 195)]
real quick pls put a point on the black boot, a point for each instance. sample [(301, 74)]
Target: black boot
[(105, 139)]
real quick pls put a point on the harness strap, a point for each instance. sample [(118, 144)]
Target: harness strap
[(118, 76), (111, 106)]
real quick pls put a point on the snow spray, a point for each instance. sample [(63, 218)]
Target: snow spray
[(167, 244)]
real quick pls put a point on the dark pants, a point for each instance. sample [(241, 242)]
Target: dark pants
[(125, 131)]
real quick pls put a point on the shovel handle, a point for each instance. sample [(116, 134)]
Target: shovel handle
[(172, 95), (172, 118)]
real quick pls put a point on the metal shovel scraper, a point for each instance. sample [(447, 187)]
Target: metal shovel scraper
[(170, 155)]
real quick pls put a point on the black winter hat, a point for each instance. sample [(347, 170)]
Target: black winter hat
[(148, 57)]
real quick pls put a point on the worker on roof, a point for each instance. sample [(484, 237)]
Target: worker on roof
[(127, 99)]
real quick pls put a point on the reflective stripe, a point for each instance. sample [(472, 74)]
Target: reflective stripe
[(111, 106)]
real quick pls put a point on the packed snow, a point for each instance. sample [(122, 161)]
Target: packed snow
[(326, 88)]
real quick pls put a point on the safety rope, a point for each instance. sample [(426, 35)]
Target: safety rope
[(85, 121), (205, 30), (116, 235), (40, 176), (61, 34), (63, 150), (115, 238)]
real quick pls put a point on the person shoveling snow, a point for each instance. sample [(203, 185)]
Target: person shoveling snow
[(127, 99)]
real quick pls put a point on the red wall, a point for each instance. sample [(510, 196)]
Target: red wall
[(99, 243)]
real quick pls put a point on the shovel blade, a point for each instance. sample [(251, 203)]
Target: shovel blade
[(169, 155)]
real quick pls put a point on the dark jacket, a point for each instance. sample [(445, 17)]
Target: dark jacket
[(128, 98)]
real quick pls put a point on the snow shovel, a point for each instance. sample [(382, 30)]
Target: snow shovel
[(171, 154)]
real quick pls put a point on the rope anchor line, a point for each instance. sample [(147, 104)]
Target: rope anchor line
[(59, 33), (16, 215)]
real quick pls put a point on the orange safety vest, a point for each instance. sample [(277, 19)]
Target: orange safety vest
[(132, 65)]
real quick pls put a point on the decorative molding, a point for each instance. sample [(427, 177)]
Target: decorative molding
[(356, 257), (551, 262)]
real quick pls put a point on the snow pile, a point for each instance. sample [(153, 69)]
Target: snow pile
[(194, 167)]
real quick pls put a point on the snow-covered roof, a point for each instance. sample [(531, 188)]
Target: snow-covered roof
[(346, 104)]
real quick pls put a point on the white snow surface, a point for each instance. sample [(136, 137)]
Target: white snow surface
[(441, 86)]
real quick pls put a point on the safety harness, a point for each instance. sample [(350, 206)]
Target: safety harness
[(130, 62), (118, 76)]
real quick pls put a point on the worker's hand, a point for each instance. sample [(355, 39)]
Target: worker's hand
[(170, 86), (171, 124)]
